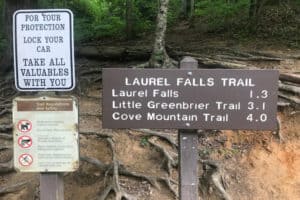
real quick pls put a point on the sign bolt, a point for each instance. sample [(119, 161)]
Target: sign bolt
[(188, 124), (190, 73)]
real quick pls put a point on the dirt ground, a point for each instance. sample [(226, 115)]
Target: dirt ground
[(255, 165)]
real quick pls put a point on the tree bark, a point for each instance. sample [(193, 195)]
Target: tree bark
[(191, 8), (10, 6), (187, 8), (129, 19), (252, 9), (294, 78), (183, 7), (289, 88), (159, 57), (2, 15)]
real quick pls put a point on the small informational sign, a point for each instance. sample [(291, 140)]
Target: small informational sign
[(44, 50), (190, 99), (45, 134)]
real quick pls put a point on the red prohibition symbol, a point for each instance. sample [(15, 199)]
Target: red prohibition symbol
[(25, 142), (24, 126), (25, 160)]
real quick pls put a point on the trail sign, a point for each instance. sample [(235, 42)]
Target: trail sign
[(50, 142), (44, 50), (190, 99)]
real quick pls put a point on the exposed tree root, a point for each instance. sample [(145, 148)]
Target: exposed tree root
[(5, 111), (3, 105), (278, 131), (171, 158), (214, 174), (13, 188), (100, 135), (5, 148), (164, 136), (292, 98), (283, 103), (122, 170), (86, 71), (289, 88), (170, 183), (143, 53), (294, 113), (6, 167), (114, 186), (6, 86), (6, 136), (250, 58), (5, 127), (294, 78), (96, 162)]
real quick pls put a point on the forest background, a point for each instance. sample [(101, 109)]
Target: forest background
[(263, 34), (276, 20)]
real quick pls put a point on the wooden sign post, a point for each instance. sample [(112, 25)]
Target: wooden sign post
[(51, 186), (188, 152), (46, 128), (189, 99)]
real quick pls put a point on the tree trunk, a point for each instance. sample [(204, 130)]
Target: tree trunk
[(191, 8), (10, 6), (187, 8), (2, 15), (159, 57), (256, 7), (129, 19), (252, 9), (183, 7)]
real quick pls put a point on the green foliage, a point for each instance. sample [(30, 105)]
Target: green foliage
[(107, 18), (110, 26), (144, 15), (220, 14), (174, 11), (277, 20), (144, 141), (94, 19), (83, 29)]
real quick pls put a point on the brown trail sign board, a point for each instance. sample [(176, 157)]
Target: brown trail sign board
[(190, 99)]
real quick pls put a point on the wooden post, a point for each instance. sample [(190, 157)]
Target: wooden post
[(51, 186), (188, 152)]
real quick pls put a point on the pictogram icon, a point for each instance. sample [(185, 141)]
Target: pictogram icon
[(25, 141), (24, 126), (25, 160)]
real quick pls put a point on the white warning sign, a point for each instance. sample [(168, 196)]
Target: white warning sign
[(45, 134), (44, 50)]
